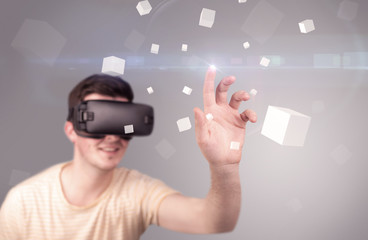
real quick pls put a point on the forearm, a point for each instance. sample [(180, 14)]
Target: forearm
[(223, 201)]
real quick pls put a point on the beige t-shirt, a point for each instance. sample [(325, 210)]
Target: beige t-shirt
[(37, 208)]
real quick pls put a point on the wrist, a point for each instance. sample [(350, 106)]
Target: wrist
[(224, 171)]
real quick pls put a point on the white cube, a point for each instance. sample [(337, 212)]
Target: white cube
[(253, 92), (209, 116), (306, 26), (128, 129), (113, 66), (38, 38), (242, 1), (285, 126), (235, 145), (246, 45), (187, 90), (207, 18), (265, 62), (184, 124), (144, 7), (184, 47), (155, 48), (150, 90)]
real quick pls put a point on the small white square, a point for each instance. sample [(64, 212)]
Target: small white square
[(113, 66), (207, 18), (253, 92), (235, 145), (184, 47), (144, 7), (306, 26), (184, 124), (128, 129), (242, 1), (187, 90), (246, 45), (265, 62), (155, 48), (150, 90), (209, 116)]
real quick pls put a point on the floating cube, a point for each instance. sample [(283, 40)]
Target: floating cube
[(184, 47), (38, 38), (134, 40), (207, 18), (150, 90), (165, 149), (265, 62), (262, 22), (184, 124), (155, 48), (235, 145), (306, 26), (18, 176), (242, 1), (187, 90), (253, 92), (348, 10), (144, 7), (341, 154), (128, 129), (113, 66), (246, 45), (285, 126), (209, 116)]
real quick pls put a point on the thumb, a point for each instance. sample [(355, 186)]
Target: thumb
[(201, 128)]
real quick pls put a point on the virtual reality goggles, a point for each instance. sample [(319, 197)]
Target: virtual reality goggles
[(97, 118)]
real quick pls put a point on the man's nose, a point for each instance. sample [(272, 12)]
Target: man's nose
[(112, 138)]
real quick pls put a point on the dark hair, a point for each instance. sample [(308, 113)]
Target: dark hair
[(98, 83)]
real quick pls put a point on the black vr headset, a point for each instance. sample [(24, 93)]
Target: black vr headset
[(97, 118)]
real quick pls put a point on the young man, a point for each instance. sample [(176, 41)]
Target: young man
[(90, 198)]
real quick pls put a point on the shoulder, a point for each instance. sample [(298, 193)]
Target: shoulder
[(39, 181)]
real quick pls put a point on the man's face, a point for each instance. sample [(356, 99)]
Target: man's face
[(105, 153)]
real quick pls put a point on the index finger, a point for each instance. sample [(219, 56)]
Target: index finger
[(209, 87)]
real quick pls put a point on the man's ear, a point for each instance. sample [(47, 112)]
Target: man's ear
[(69, 131)]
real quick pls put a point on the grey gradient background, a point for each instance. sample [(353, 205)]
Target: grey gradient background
[(318, 191)]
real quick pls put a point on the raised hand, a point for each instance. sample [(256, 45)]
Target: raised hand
[(214, 136)]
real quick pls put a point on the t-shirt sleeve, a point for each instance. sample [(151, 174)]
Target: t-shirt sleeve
[(155, 193), (11, 217)]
